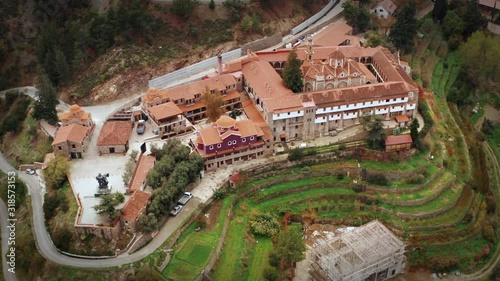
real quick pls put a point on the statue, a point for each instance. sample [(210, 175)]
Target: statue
[(104, 187), (102, 180)]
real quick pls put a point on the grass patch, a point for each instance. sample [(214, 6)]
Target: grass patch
[(194, 248)]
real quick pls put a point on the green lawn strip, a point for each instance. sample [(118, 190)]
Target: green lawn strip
[(455, 70), (299, 183), (410, 164), (436, 77), (256, 182), (290, 198), (430, 189), (260, 258), (449, 196), (195, 248), (462, 252), (229, 263)]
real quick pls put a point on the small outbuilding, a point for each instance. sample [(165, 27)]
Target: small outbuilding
[(71, 141), (385, 9), (114, 137), (398, 143), (402, 120), (135, 206)]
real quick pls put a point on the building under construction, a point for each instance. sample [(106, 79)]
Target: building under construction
[(367, 253)]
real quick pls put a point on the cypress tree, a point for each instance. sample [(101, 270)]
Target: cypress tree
[(439, 10), (292, 74)]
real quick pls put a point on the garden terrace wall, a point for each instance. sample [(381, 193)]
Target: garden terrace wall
[(302, 188), (455, 223), (403, 190), (421, 201)]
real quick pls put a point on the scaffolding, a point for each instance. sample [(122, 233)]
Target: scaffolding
[(369, 252)]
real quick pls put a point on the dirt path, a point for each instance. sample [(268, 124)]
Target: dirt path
[(489, 112)]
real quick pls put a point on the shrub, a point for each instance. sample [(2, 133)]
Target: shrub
[(415, 179), (201, 222), (340, 175), (274, 259), (271, 274), (52, 202), (264, 224), (379, 179), (489, 234), (220, 194), (358, 188), (296, 154)]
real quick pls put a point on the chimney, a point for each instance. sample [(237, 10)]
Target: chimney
[(219, 64)]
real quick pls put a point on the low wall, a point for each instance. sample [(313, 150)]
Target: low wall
[(494, 28), (141, 241), (261, 44), (34, 166)]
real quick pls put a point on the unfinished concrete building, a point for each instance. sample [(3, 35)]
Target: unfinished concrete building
[(368, 253)]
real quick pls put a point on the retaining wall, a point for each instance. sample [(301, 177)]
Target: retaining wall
[(314, 18), (262, 44)]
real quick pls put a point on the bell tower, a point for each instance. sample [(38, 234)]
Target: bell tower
[(309, 50)]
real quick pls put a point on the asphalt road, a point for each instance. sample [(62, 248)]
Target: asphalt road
[(8, 276)]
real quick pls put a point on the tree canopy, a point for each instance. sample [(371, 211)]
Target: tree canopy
[(356, 16), (439, 10), (214, 104), (184, 8), (404, 29), (290, 247), (46, 101), (292, 74), (376, 134), (480, 56), (473, 19), (56, 172), (107, 204)]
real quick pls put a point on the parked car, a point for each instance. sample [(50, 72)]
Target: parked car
[(141, 127), (176, 210), (185, 198), (30, 171)]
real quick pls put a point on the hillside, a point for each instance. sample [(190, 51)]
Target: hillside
[(95, 57)]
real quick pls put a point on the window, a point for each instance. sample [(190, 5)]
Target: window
[(245, 139), (219, 145), (296, 126), (73, 146), (288, 113), (283, 128), (59, 147), (274, 129), (211, 147), (386, 100), (234, 142), (252, 138)]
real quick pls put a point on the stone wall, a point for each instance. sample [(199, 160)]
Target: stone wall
[(141, 241), (261, 44), (109, 232)]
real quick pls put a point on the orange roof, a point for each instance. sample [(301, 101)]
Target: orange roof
[(265, 81), (115, 133), (402, 118), (141, 171), (75, 112), (333, 35), (285, 104), (235, 177), (135, 205), (165, 110), (74, 133), (188, 91), (242, 128), (395, 140), (225, 122), (253, 114)]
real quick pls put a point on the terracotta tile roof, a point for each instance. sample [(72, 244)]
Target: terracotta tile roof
[(188, 91), (233, 66), (210, 136), (356, 94), (284, 104), (247, 128), (488, 3), (389, 6), (265, 81), (401, 139), (115, 133), (225, 122), (74, 133), (234, 178), (165, 110), (402, 118), (135, 205), (333, 35), (242, 128), (154, 95), (141, 171), (75, 112), (253, 114)]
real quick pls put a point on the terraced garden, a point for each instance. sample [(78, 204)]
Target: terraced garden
[(442, 218)]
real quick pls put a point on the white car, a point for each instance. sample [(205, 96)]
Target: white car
[(30, 171), (176, 210)]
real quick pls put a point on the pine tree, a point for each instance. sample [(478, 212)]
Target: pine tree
[(439, 10), (61, 66), (292, 74), (405, 28), (211, 5), (414, 133), (46, 101), (376, 135)]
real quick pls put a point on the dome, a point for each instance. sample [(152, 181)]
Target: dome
[(75, 108), (225, 122)]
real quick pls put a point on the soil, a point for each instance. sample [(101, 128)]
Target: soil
[(212, 215), (279, 18)]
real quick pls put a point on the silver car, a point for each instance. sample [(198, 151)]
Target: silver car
[(176, 210)]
